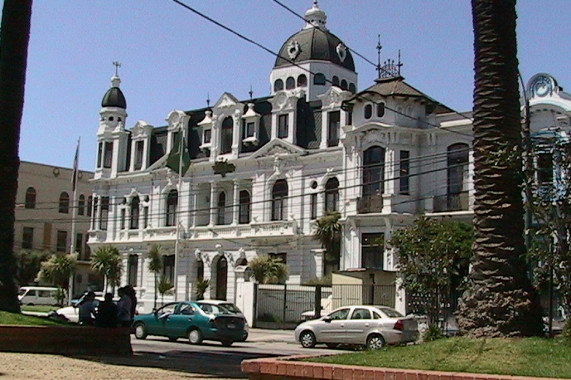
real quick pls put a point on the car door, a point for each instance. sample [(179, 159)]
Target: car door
[(331, 328), (177, 323), (157, 324), (358, 326)]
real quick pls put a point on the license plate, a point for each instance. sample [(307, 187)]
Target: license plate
[(231, 326)]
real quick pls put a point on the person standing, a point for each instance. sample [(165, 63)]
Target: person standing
[(124, 308)]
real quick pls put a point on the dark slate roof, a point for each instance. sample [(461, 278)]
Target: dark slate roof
[(315, 44), (396, 86), (114, 98)]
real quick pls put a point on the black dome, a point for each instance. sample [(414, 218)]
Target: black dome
[(315, 44), (114, 98)]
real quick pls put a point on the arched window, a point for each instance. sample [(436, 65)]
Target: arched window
[(344, 84), (135, 213), (226, 135), (30, 201), (368, 111), (278, 85), (279, 195), (319, 79), (352, 87), (335, 80), (172, 203), (89, 205), (221, 208), (244, 212), (81, 205), (380, 109), (373, 171), (331, 195), (302, 81), (290, 83), (64, 203)]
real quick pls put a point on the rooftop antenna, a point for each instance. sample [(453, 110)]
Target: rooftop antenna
[(379, 48), (399, 63), (207, 100), (117, 64), (251, 92)]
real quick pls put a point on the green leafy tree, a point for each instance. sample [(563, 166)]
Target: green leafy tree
[(57, 270), (14, 37), (327, 231), (267, 269), (500, 300), (165, 286), (28, 264), (433, 258), (155, 266), (106, 261), (200, 287)]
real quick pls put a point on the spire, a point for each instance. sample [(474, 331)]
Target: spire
[(315, 17), (115, 80)]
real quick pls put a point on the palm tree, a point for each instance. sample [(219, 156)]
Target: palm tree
[(165, 286), (328, 231), (200, 287), (107, 261), (155, 265), (57, 270), (267, 269), (500, 300), (14, 37)]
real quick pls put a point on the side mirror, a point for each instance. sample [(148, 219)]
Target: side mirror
[(326, 319)]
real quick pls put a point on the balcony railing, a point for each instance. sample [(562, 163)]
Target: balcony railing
[(370, 204), (451, 202)]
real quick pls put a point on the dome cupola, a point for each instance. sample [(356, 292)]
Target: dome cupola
[(114, 96)]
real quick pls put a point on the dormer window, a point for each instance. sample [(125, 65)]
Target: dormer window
[(302, 81), (368, 111), (283, 126), (206, 125), (290, 83), (207, 136), (380, 109), (278, 85), (250, 126)]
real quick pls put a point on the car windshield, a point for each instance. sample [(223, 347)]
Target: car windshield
[(391, 313), (22, 291), (214, 309)]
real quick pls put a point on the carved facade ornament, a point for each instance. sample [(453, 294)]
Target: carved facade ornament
[(341, 51), (293, 50)]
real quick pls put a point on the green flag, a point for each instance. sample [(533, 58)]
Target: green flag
[(174, 161)]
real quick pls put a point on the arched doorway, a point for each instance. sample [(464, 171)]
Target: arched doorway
[(221, 278)]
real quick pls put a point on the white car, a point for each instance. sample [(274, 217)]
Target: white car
[(369, 326)]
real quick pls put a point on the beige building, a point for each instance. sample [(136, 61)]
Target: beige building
[(44, 214)]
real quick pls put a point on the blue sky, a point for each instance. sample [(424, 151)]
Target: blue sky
[(173, 59)]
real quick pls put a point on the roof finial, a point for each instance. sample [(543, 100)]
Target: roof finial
[(207, 100), (117, 64), (379, 48), (251, 92)]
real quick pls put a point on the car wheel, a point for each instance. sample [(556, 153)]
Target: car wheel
[(307, 339), (195, 336), (140, 331), (172, 338), (375, 342), (227, 343)]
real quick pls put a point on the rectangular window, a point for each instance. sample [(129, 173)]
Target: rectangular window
[(168, 268), (277, 208), (545, 169), (28, 238), (313, 206), (139, 150), (249, 129), (79, 245), (333, 128), (104, 213), (404, 172), (99, 154), (61, 242), (123, 216), (145, 216), (108, 157), (133, 265), (87, 250), (372, 250), (207, 136), (283, 126)]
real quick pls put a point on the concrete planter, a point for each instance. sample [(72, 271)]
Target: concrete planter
[(292, 369), (66, 340)]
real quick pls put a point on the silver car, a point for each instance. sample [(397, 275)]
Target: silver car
[(369, 326)]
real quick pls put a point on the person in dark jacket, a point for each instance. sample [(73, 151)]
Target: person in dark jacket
[(107, 313)]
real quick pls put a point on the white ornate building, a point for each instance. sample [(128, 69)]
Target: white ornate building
[(381, 157)]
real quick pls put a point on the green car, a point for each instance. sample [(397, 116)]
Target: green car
[(193, 320)]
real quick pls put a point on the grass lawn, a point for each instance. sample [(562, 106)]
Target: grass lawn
[(39, 308), (537, 357), (26, 320)]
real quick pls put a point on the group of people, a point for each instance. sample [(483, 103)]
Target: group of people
[(107, 313)]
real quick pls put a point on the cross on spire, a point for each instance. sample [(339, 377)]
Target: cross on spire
[(117, 64)]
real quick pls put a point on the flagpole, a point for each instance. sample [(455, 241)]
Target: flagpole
[(74, 178), (176, 243)]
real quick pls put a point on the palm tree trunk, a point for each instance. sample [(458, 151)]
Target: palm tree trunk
[(500, 299), (14, 37)]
